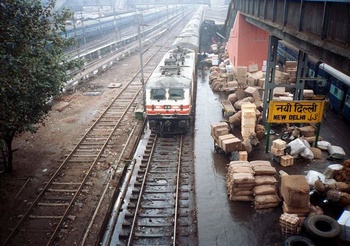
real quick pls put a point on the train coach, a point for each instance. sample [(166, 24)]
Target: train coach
[(169, 92), (334, 84), (100, 26)]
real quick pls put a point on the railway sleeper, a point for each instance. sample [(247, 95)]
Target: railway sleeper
[(157, 207), (141, 215), (135, 191), (131, 206), (159, 191), (148, 235), (155, 225), (124, 234)]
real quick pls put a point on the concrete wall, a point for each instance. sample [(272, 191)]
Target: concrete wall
[(247, 44)]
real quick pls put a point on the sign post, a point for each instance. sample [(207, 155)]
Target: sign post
[(294, 112)]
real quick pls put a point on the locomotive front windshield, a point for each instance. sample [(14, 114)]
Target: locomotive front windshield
[(176, 94), (158, 94)]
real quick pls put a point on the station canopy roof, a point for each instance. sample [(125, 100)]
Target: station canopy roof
[(217, 14)]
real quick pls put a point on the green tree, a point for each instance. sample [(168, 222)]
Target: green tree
[(33, 66)]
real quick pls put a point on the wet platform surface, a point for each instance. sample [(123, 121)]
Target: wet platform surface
[(225, 222)]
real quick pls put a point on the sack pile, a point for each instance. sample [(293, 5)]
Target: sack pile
[(265, 192), (240, 181)]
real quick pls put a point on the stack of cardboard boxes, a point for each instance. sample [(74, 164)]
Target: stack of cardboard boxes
[(248, 120), (225, 140), (278, 150)]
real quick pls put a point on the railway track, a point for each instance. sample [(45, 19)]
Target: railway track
[(160, 207), (57, 213)]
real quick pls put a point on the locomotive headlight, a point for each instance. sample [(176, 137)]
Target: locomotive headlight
[(167, 106)]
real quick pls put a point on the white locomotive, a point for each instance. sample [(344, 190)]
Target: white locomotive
[(169, 90)]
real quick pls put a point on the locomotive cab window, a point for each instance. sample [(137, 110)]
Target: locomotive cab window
[(158, 94), (176, 94)]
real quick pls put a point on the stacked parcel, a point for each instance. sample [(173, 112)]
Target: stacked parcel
[(295, 193), (265, 192), (240, 181)]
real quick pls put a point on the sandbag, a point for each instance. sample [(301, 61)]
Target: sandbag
[(238, 105), (264, 199), (336, 152), (332, 170), (242, 192), (296, 146), (243, 178), (264, 170), (239, 169), (265, 180), (266, 205), (247, 146), (242, 198), (264, 190), (232, 98), (323, 145), (260, 163), (316, 152), (312, 176), (240, 163), (235, 119), (307, 154)]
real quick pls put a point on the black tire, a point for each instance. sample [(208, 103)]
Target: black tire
[(321, 227), (298, 240)]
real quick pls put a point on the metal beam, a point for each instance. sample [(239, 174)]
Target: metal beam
[(330, 52)]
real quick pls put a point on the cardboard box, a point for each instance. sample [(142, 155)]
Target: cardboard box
[(246, 121), (251, 91), (232, 144), (242, 80), (240, 94), (279, 144), (277, 152), (224, 137), (287, 160), (261, 82), (308, 93), (242, 71), (253, 68), (221, 131), (247, 129), (251, 81)]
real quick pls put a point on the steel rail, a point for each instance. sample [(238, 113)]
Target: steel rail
[(177, 190), (138, 204), (107, 186), (34, 203), (142, 189)]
